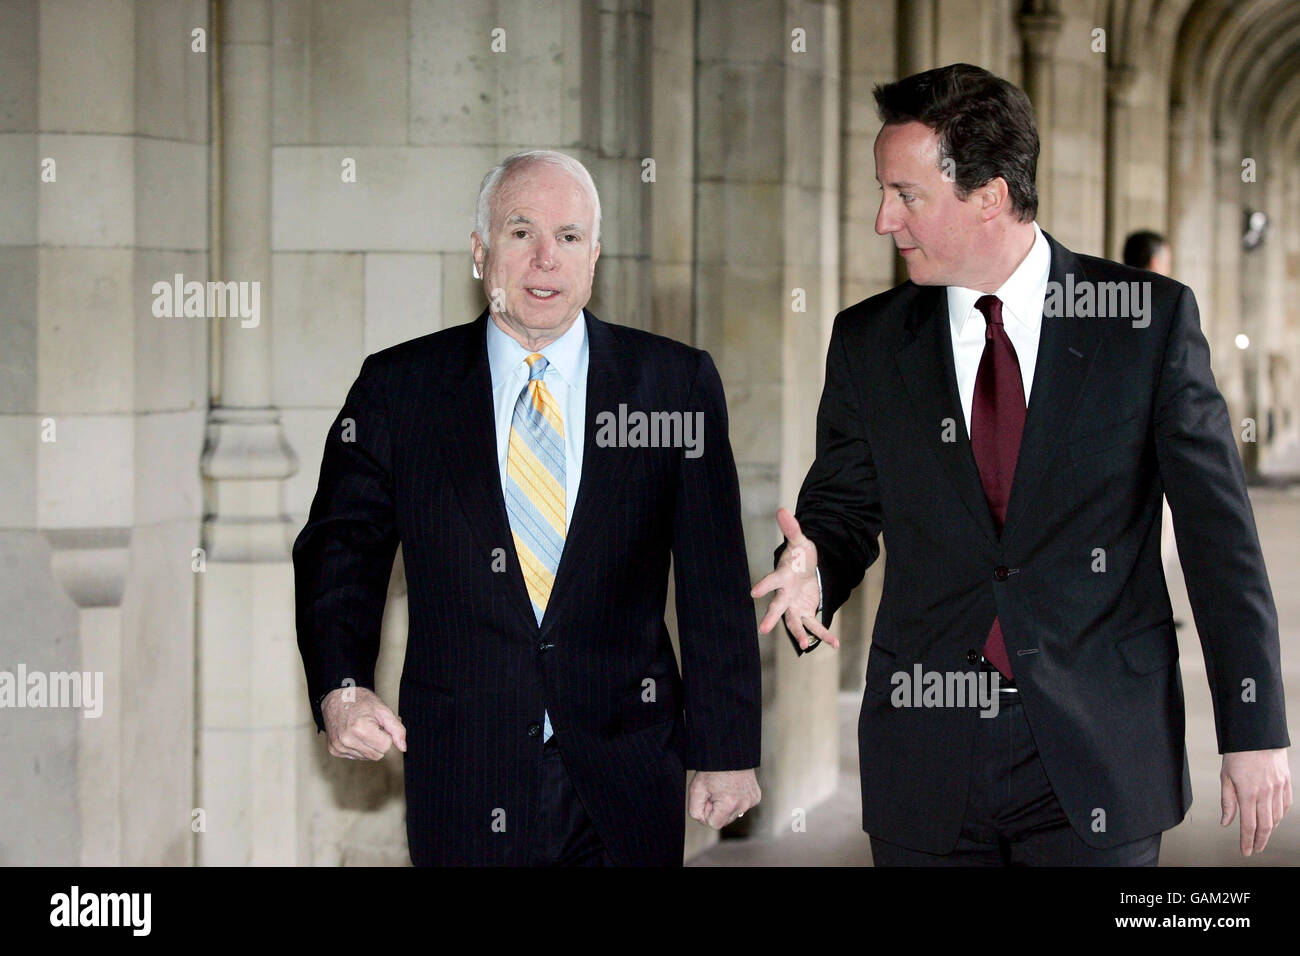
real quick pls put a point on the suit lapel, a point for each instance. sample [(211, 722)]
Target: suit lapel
[(612, 377), (1066, 349), (928, 369), (471, 457)]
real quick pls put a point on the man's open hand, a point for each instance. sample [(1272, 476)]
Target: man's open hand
[(795, 582), (1258, 782), (359, 725), (717, 797)]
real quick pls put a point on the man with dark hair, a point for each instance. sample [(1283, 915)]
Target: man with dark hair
[(1009, 418), (1145, 249), (984, 126)]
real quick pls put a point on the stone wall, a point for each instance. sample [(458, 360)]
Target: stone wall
[(331, 152)]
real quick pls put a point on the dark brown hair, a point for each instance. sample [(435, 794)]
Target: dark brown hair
[(985, 127)]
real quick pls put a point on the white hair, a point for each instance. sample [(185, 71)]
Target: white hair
[(487, 191)]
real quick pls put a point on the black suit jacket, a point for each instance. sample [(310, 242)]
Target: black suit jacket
[(479, 670), (1117, 415)]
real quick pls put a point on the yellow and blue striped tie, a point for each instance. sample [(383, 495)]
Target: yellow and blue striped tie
[(535, 484)]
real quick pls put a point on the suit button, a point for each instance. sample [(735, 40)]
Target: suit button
[(534, 730), (1000, 572), (543, 647), (972, 657)]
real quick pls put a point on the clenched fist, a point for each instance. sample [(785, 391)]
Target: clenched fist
[(718, 797), (359, 725)]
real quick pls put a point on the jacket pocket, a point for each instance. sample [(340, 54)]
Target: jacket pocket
[(1150, 649), (635, 713), (881, 665), (423, 700)]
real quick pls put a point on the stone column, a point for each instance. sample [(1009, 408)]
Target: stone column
[(1191, 230), (1288, 459), (91, 564), (766, 290), (1039, 29), (82, 375), (873, 34), (1227, 197), (916, 36), (249, 701), (672, 131), (103, 126), (1266, 279), (616, 100), (1120, 80), (915, 52)]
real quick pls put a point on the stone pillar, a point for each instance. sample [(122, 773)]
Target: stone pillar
[(672, 195), (103, 125), (873, 51), (873, 33), (1190, 210), (916, 36), (91, 565), (1227, 359), (1039, 29), (83, 375), (1120, 80), (915, 53), (617, 97), (1288, 459), (1266, 278), (766, 290), (249, 698)]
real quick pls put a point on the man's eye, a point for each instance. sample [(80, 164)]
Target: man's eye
[(520, 233), (906, 197)]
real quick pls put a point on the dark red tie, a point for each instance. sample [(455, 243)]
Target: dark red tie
[(997, 420)]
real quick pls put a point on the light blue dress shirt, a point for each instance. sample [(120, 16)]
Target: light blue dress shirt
[(566, 379)]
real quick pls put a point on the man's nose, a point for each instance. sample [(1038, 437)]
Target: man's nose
[(544, 253), (886, 222)]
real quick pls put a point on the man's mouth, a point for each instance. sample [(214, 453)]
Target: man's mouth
[(543, 293)]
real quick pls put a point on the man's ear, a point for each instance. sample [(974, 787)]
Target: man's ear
[(994, 196), (595, 254), (477, 254)]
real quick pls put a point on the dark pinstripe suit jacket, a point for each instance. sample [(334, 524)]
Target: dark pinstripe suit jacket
[(422, 469)]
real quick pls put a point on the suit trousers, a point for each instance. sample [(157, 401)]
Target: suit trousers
[(1012, 816), (563, 834)]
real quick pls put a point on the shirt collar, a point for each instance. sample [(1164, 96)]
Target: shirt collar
[(1022, 294), (505, 355)]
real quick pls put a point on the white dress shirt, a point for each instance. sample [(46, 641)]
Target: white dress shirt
[(1022, 315)]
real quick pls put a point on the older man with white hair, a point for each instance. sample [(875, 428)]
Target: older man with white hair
[(543, 715)]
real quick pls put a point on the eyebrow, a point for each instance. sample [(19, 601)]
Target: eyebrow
[(519, 218), (900, 184)]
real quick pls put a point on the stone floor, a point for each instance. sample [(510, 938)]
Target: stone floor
[(834, 836)]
